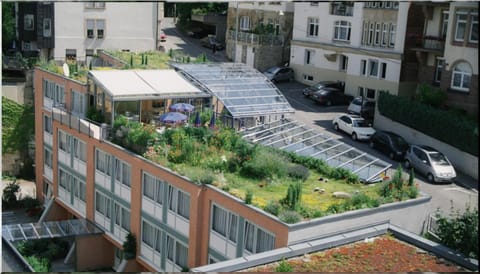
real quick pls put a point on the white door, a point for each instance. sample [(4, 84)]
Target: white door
[(250, 56)]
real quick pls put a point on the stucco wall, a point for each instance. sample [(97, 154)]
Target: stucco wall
[(93, 252), (462, 161)]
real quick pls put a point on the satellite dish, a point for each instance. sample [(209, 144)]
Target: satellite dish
[(66, 70)]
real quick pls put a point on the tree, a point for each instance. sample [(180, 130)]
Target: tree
[(8, 24)]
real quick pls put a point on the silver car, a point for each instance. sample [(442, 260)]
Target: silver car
[(430, 162), (278, 74)]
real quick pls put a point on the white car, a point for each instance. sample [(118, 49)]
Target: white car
[(354, 126), (431, 163)]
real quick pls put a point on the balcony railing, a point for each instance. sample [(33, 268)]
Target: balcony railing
[(434, 43), (257, 39), (85, 126)]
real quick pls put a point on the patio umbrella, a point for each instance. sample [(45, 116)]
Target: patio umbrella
[(172, 117), (212, 121), (181, 107), (198, 121)]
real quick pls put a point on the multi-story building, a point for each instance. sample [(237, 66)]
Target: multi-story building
[(62, 30), (448, 51), (264, 31), (361, 43)]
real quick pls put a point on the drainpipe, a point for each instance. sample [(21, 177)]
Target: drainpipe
[(236, 35)]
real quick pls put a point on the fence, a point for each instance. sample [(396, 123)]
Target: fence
[(82, 125), (257, 39)]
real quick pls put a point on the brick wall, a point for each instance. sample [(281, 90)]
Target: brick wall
[(464, 100)]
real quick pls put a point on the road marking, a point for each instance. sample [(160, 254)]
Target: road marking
[(471, 192)]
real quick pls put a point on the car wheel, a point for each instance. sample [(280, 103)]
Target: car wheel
[(335, 126), (354, 136), (407, 164), (430, 178), (371, 144), (391, 155), (329, 103)]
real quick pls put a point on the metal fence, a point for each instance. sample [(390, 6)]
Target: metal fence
[(256, 39)]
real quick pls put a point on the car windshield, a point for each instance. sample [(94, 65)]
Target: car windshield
[(438, 158), (360, 123), (272, 70), (398, 141)]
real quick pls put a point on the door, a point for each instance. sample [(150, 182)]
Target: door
[(345, 124), (251, 56)]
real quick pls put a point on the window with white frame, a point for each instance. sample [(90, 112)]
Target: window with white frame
[(257, 240), (47, 124), (438, 70), (365, 33), (473, 37), (48, 89), (179, 202), (309, 56), (78, 105), (177, 252), (312, 27), (122, 216), (342, 31), (443, 31), (244, 23), (63, 179), (225, 223), (393, 31), (384, 34), (102, 204), (371, 33), (383, 70), (363, 67), (103, 162), (64, 141), (59, 95), (95, 26), (377, 33), (460, 25), (343, 63), (461, 77), (90, 28), (373, 68), (152, 236), (122, 172), (153, 188), (343, 8), (79, 149), (100, 26), (78, 188), (48, 158), (95, 5)]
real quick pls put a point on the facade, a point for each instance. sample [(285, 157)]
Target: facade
[(448, 52), (361, 43), (264, 33)]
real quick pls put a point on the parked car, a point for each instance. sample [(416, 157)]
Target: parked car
[(331, 96), (278, 74), (363, 107), (430, 162), (211, 40), (353, 125), (389, 143), (323, 84)]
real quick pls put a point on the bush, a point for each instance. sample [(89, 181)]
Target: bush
[(284, 266), (294, 195), (297, 171), (39, 264), (431, 96), (205, 178), (290, 217), (459, 231), (309, 213), (266, 164), (272, 207), (9, 196), (445, 126), (130, 246), (249, 196)]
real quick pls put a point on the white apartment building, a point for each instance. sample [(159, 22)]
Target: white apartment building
[(81, 28), (360, 43)]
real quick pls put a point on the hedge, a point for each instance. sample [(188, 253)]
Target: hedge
[(445, 126)]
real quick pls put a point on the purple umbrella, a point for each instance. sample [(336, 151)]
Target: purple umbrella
[(181, 107), (212, 121), (172, 117), (198, 121)]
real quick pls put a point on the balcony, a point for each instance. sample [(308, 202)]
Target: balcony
[(257, 39), (430, 44), (85, 126)]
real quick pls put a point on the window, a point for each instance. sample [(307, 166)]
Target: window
[(309, 56), (80, 149), (102, 204), (62, 179), (312, 27), (48, 158), (28, 22), (103, 162), (373, 68), (244, 23), (47, 27), (78, 104), (64, 141), (71, 54), (443, 31), (256, 239), (122, 172), (89, 52), (363, 67), (342, 30), (100, 24), (177, 252), (95, 26), (49, 89), (47, 124), (473, 37), (391, 40), (90, 28), (460, 26), (307, 77), (148, 186), (95, 5), (438, 71), (377, 34), (343, 62), (365, 33), (343, 8), (461, 77), (179, 202), (384, 34), (148, 234), (370, 93), (383, 70), (225, 223), (371, 33), (122, 217)]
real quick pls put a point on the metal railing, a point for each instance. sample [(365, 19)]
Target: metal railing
[(435, 43), (82, 125), (256, 39), (432, 225)]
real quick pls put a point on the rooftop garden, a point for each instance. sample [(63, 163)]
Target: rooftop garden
[(155, 59), (289, 186)]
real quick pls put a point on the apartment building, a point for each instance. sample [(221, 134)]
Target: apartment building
[(447, 51), (62, 30), (363, 44), (178, 224), (264, 33)]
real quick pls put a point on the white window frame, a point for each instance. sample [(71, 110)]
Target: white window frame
[(342, 27), (378, 35), (179, 202), (79, 149), (123, 173), (309, 54), (256, 231), (103, 205), (103, 162), (458, 22), (462, 75), (371, 33), (444, 28), (228, 221), (363, 67), (244, 23), (66, 139), (438, 70), (371, 66), (90, 27), (100, 26), (158, 188), (122, 216), (365, 33), (312, 26), (384, 39), (392, 35), (47, 124), (473, 21), (343, 63), (48, 157), (78, 104), (173, 252)]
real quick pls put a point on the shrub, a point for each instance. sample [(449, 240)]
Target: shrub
[(297, 171), (272, 207), (335, 208), (290, 217), (431, 96), (30, 203), (293, 197), (339, 173), (411, 177), (205, 178), (248, 196), (412, 192), (309, 213), (266, 164), (9, 196), (39, 264), (459, 231), (130, 246), (284, 266)]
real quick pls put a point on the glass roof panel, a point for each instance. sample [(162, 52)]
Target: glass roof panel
[(292, 136), (243, 90)]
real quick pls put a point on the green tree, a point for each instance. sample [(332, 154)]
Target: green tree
[(8, 24)]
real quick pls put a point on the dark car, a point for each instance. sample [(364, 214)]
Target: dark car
[(323, 84), (363, 107), (389, 143), (210, 41), (331, 96), (278, 74)]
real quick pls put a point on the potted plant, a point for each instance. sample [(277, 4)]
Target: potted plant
[(130, 246)]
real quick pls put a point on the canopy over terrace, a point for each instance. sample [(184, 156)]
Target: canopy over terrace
[(123, 91), (54, 229), (243, 90), (293, 136)]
